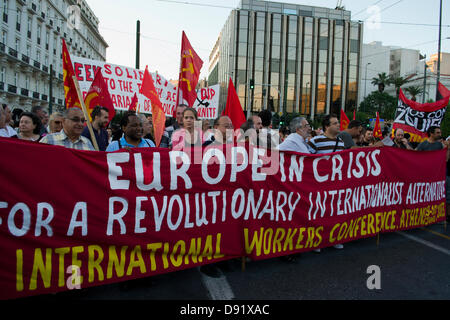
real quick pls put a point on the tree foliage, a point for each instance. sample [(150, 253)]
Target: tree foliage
[(380, 102)]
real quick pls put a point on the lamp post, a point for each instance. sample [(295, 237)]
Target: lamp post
[(365, 82), (424, 78), (439, 52)]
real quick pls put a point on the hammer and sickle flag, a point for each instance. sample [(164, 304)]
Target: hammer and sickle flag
[(70, 91), (377, 128), (190, 67), (98, 95), (158, 115), (344, 120)]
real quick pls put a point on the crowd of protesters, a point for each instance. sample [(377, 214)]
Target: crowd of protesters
[(69, 129)]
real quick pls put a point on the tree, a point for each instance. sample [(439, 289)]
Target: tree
[(414, 91), (382, 102), (398, 82), (381, 81)]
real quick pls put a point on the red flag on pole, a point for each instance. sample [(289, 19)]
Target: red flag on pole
[(377, 129), (134, 103), (443, 91), (158, 115), (233, 108), (70, 91), (344, 120), (98, 95), (190, 67)]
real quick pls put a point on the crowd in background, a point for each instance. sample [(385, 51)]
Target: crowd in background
[(182, 132)]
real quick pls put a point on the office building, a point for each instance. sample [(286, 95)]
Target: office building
[(299, 58)]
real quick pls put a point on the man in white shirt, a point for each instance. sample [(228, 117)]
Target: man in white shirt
[(5, 129), (301, 130)]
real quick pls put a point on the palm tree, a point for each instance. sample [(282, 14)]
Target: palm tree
[(414, 91), (398, 82), (381, 81)]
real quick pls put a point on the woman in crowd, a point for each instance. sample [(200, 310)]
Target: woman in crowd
[(188, 136), (29, 127)]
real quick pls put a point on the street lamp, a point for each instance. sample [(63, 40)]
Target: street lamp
[(365, 82), (439, 52)]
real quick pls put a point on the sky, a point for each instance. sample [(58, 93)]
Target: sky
[(412, 24)]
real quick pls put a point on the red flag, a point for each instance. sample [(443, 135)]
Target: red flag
[(354, 114), (377, 129), (98, 95), (233, 109), (70, 91), (134, 103), (190, 67), (443, 91), (158, 115), (344, 120)]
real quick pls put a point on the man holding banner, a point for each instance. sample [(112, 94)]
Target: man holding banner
[(100, 119)]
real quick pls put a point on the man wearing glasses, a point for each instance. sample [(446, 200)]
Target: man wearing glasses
[(296, 141), (70, 136)]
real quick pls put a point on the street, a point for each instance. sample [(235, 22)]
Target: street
[(412, 264)]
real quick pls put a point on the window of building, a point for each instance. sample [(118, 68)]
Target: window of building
[(4, 37), (39, 31), (3, 75), (259, 50), (18, 19)]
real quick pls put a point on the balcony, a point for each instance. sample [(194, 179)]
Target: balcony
[(25, 58), (22, 2), (44, 97), (12, 52), (41, 17), (37, 64), (60, 101), (12, 89), (36, 95), (44, 68), (24, 92)]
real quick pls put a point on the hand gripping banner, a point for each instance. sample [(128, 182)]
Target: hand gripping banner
[(103, 217)]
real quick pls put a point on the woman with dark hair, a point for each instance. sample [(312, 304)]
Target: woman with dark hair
[(188, 136), (29, 127)]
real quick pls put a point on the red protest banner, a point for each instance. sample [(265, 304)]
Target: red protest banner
[(150, 211)]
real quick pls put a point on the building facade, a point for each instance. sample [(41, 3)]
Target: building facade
[(298, 58), (409, 64), (31, 48)]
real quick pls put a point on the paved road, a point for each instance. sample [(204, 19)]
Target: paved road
[(413, 265)]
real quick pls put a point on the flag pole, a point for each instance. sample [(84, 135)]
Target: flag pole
[(83, 107), (179, 79)]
